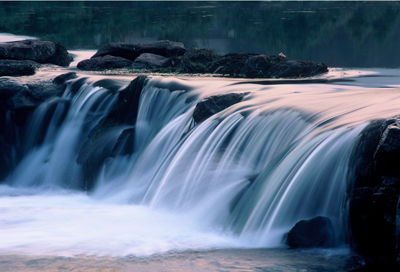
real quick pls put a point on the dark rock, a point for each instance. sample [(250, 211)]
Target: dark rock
[(262, 66), (61, 79), (9, 87), (298, 68), (17, 67), (258, 67), (107, 137), (104, 63), (35, 50), (229, 64), (214, 104), (374, 191), (387, 154), (315, 232), (148, 61), (131, 51)]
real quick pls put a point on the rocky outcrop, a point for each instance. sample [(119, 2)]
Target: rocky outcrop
[(104, 63), (375, 190), (17, 67), (102, 141), (214, 104), (315, 232), (148, 61), (173, 57), (131, 51), (17, 102), (37, 51), (22, 98), (262, 66)]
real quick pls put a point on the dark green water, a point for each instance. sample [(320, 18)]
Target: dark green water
[(341, 34)]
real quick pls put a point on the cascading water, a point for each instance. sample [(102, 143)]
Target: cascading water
[(241, 178)]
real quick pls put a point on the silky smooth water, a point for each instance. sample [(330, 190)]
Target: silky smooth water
[(240, 179)]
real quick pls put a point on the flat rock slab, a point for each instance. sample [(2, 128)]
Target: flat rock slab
[(35, 50), (104, 63), (131, 51), (17, 67)]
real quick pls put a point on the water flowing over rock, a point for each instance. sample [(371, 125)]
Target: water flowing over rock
[(214, 104), (315, 232), (98, 147), (35, 50)]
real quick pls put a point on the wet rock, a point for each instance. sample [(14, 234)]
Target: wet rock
[(131, 51), (148, 61), (108, 136), (315, 232), (375, 190), (214, 104), (229, 64), (104, 63), (257, 67), (262, 66), (35, 50), (298, 68), (61, 79), (23, 98), (17, 67)]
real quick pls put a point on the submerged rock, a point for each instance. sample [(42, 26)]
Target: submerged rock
[(36, 50), (315, 232), (131, 51), (214, 104)]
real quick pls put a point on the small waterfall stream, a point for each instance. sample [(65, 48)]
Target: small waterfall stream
[(241, 178)]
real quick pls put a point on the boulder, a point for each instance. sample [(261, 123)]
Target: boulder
[(214, 104), (298, 68), (258, 67), (148, 61), (17, 67), (35, 50), (104, 63), (262, 66), (374, 191), (315, 232), (131, 51), (229, 64)]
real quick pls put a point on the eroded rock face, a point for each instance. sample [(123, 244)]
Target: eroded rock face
[(214, 104), (131, 51), (315, 232), (36, 50), (375, 190)]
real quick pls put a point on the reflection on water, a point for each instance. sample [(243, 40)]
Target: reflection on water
[(341, 34)]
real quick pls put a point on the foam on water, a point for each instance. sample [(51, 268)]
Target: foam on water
[(66, 223)]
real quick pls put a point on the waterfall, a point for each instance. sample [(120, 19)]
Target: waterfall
[(250, 171)]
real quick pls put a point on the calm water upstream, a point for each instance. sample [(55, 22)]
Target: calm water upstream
[(213, 197)]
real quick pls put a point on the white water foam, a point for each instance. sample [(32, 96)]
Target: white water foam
[(66, 224)]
